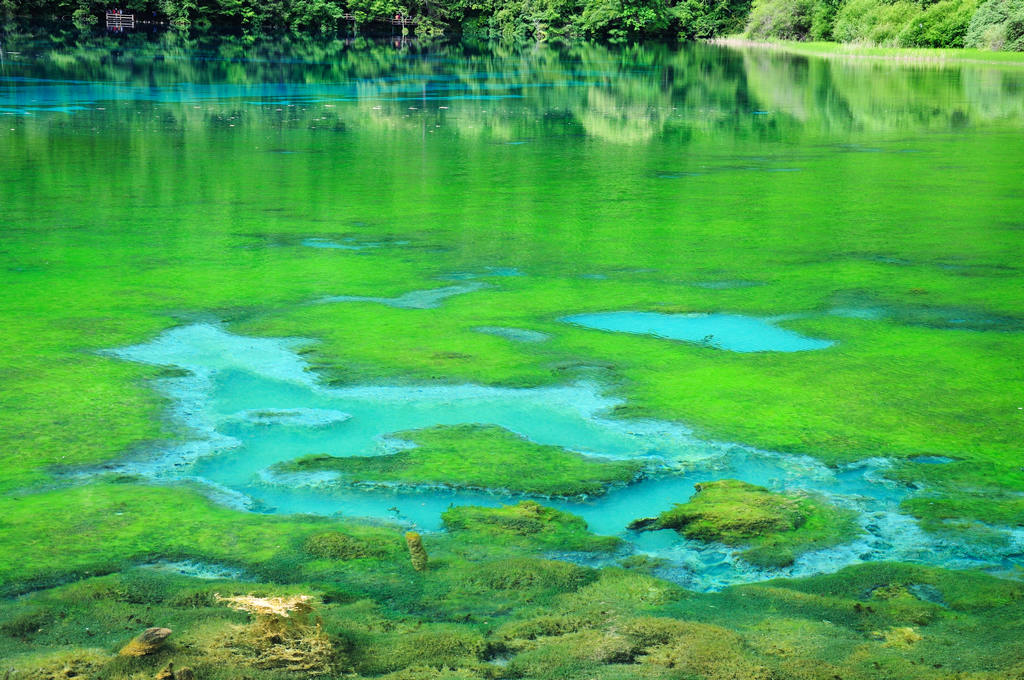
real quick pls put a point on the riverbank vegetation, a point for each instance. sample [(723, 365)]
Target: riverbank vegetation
[(985, 24)]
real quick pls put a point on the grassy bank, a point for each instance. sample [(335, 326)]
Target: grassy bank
[(911, 55)]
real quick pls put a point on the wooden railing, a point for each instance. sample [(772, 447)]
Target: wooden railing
[(116, 20), (400, 20)]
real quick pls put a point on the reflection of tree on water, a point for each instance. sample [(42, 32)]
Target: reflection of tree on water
[(624, 95), (843, 95)]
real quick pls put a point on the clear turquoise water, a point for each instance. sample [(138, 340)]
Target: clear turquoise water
[(725, 331)]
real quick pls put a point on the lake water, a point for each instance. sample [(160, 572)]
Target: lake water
[(341, 240), (725, 331)]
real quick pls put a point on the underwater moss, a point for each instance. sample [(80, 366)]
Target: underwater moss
[(285, 634), (434, 646), (334, 545), (777, 527), (527, 525), (477, 456), (132, 524)]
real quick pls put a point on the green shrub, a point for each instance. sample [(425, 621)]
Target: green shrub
[(781, 19), (703, 19), (873, 22), (83, 17), (823, 17), (997, 25), (943, 24)]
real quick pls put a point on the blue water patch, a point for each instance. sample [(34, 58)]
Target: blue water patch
[(417, 299), (865, 313), (334, 245), (931, 460), (503, 272), (732, 332), (726, 285), (22, 96), (517, 334)]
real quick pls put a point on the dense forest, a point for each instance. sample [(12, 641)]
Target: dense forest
[(988, 24)]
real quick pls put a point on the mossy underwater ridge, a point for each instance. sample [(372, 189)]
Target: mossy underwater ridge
[(480, 457), (776, 528)]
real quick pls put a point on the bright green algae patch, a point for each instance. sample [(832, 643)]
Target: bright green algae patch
[(103, 527), (983, 491), (477, 456), (778, 527), (528, 524)]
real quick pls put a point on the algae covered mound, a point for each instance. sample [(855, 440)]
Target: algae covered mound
[(777, 527), (528, 524), (477, 456)]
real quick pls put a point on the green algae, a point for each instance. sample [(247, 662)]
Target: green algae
[(544, 620), (527, 525), (476, 456), (983, 491), (334, 545), (136, 523), (776, 528)]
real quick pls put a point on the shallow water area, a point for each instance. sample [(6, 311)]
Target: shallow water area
[(251, 403), (417, 299), (731, 332)]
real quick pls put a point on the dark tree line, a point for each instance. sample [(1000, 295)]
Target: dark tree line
[(992, 24), (494, 18)]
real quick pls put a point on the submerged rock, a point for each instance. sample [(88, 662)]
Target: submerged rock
[(149, 641), (899, 637), (775, 527)]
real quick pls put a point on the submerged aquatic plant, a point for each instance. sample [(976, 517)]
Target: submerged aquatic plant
[(476, 456), (417, 553), (776, 527), (284, 634)]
